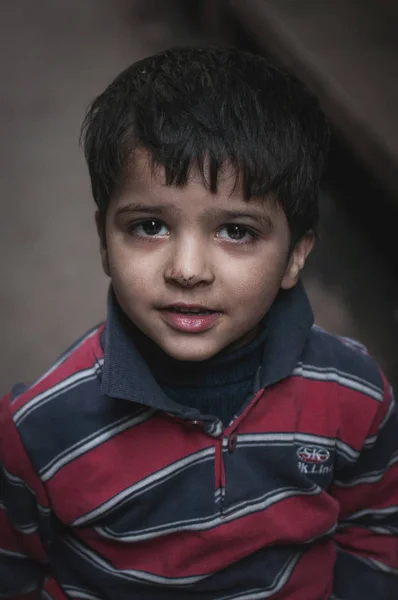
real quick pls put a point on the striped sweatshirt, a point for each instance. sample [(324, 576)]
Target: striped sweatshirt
[(109, 490)]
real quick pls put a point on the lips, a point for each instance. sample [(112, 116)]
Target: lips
[(199, 311), (190, 309), (190, 318)]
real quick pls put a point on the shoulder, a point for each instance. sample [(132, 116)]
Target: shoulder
[(41, 419), (345, 388), (79, 364), (342, 361), (34, 418)]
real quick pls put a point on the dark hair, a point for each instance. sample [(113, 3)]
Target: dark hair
[(204, 108)]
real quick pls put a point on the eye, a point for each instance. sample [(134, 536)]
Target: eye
[(149, 228), (237, 233)]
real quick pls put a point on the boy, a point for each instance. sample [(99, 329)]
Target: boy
[(207, 441)]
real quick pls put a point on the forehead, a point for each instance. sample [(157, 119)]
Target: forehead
[(146, 182)]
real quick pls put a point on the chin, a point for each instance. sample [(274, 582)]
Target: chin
[(185, 353)]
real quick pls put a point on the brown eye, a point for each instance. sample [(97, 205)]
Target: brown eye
[(236, 232), (149, 228)]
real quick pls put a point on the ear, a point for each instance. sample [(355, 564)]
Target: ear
[(297, 261), (103, 244)]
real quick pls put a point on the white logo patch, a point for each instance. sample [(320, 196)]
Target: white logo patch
[(313, 460)]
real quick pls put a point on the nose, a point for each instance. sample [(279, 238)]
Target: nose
[(189, 263)]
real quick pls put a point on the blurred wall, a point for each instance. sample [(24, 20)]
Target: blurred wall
[(55, 56)]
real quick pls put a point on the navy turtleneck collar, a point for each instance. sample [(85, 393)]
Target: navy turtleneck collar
[(218, 386)]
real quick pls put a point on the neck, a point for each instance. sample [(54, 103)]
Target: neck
[(218, 386)]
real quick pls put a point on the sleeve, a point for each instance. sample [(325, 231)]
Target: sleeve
[(24, 512), (367, 533)]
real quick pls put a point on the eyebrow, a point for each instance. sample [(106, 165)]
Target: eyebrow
[(226, 215), (211, 213), (153, 209)]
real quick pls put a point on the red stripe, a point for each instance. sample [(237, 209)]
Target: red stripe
[(121, 462), (368, 544), (313, 407), (295, 520)]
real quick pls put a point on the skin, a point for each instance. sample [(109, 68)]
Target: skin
[(167, 245)]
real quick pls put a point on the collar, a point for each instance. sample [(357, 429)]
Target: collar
[(228, 367), (127, 376)]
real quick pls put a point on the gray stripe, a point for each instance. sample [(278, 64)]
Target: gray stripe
[(26, 529), (80, 593), (376, 513), (378, 389), (344, 379), (263, 502), (200, 524), (381, 530), (12, 554)]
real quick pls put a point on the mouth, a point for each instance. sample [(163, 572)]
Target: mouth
[(190, 318), (190, 309)]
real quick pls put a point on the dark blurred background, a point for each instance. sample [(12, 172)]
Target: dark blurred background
[(56, 55)]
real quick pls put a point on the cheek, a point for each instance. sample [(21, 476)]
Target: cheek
[(253, 298), (127, 273), (257, 280)]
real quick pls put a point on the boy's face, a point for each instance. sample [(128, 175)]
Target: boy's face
[(171, 250)]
